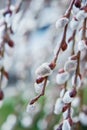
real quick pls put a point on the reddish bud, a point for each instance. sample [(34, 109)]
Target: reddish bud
[(1, 95), (73, 93), (7, 11), (39, 80), (86, 42), (52, 65), (10, 43), (77, 3), (60, 127), (61, 71), (70, 121), (64, 46), (74, 57), (65, 108)]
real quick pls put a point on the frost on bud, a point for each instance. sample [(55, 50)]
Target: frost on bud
[(70, 65), (58, 106), (60, 23), (78, 81), (62, 77), (82, 45), (1, 95), (30, 108), (83, 118), (66, 125), (67, 98), (44, 70)]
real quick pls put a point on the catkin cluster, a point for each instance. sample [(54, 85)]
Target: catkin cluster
[(74, 72)]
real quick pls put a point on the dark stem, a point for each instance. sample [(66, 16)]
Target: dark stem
[(77, 68), (42, 94), (68, 12), (73, 36)]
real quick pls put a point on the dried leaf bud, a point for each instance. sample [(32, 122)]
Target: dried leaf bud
[(61, 78), (66, 125), (78, 81), (64, 46), (1, 95), (67, 98), (70, 65), (60, 23), (77, 3), (44, 70), (30, 108), (83, 118), (58, 106)]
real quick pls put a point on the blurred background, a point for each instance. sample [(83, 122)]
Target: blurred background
[(35, 38)]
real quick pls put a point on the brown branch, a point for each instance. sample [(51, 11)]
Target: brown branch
[(42, 93), (67, 14)]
